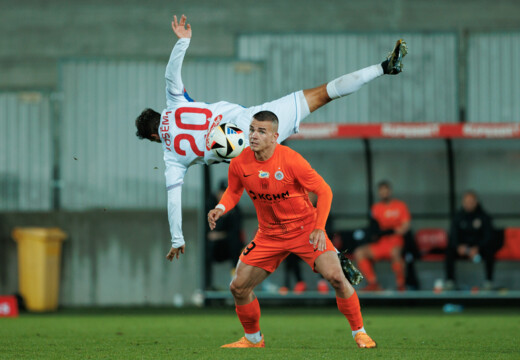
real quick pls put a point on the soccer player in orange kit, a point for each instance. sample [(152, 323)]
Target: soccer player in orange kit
[(277, 179), (391, 214)]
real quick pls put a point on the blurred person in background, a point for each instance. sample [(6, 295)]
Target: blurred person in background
[(184, 126), (394, 219), (225, 242), (472, 237)]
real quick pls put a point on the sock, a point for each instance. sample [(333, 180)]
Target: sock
[(249, 316), (352, 310), (254, 338), (365, 266), (398, 268), (349, 83)]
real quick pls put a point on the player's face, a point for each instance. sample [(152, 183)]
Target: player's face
[(262, 136), (385, 193), (469, 202)]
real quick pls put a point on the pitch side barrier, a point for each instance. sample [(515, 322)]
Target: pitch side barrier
[(408, 131)]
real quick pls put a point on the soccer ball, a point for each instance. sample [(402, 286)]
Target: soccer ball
[(227, 141)]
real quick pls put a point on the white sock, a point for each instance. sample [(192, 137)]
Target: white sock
[(354, 332), (254, 338), (349, 83)]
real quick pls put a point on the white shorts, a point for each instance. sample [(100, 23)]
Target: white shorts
[(290, 110)]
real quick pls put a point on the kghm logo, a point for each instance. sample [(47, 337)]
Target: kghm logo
[(268, 197)]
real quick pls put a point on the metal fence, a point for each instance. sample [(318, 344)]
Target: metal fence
[(25, 151), (425, 92), (494, 77)]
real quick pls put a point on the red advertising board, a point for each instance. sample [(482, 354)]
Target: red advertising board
[(409, 131), (8, 306)]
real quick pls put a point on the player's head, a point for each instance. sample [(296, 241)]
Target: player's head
[(470, 201), (147, 125), (384, 190), (263, 131)]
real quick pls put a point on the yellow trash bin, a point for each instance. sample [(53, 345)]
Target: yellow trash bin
[(39, 257)]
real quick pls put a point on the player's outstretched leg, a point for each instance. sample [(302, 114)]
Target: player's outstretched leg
[(249, 316), (327, 264), (247, 307), (350, 83)]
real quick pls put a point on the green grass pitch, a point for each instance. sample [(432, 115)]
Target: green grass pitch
[(290, 333)]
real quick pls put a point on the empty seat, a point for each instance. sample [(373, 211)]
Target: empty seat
[(432, 244), (511, 248)]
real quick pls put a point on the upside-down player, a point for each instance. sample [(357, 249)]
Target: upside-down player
[(277, 179), (184, 125)]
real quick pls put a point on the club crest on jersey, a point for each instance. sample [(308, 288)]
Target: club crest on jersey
[(278, 175), (263, 174)]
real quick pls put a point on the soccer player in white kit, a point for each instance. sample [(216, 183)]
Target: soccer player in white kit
[(183, 127)]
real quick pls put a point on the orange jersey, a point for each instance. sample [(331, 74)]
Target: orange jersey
[(279, 189), (390, 215)]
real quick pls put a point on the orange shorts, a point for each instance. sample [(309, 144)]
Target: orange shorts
[(268, 252), (382, 249)]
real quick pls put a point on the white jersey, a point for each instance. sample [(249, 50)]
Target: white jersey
[(185, 126)]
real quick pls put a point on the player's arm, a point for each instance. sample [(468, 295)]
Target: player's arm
[(175, 177), (312, 181), (174, 84), (230, 198), (406, 221)]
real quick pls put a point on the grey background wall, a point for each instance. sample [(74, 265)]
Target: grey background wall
[(110, 257), (34, 34)]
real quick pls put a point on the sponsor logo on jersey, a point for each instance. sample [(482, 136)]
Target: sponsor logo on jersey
[(216, 122), (263, 174), (268, 197), (278, 175), (165, 131)]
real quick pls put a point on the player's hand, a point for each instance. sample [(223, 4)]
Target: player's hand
[(175, 252), (472, 252), (318, 239), (179, 29), (213, 216), (462, 250)]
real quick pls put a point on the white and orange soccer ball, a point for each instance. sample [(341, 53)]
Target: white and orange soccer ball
[(227, 141)]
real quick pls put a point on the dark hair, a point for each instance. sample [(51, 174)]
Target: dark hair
[(384, 183), (267, 116), (147, 124)]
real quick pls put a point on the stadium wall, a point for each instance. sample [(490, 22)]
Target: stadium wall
[(34, 34), (111, 257)]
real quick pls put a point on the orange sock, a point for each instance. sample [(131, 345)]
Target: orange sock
[(352, 310), (398, 268), (249, 316), (368, 271)]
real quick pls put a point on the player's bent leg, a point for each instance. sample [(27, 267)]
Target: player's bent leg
[(247, 277), (398, 267), (327, 264)]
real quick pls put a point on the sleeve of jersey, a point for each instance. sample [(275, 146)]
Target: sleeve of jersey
[(234, 190), (312, 181), (175, 216), (174, 180), (174, 85)]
